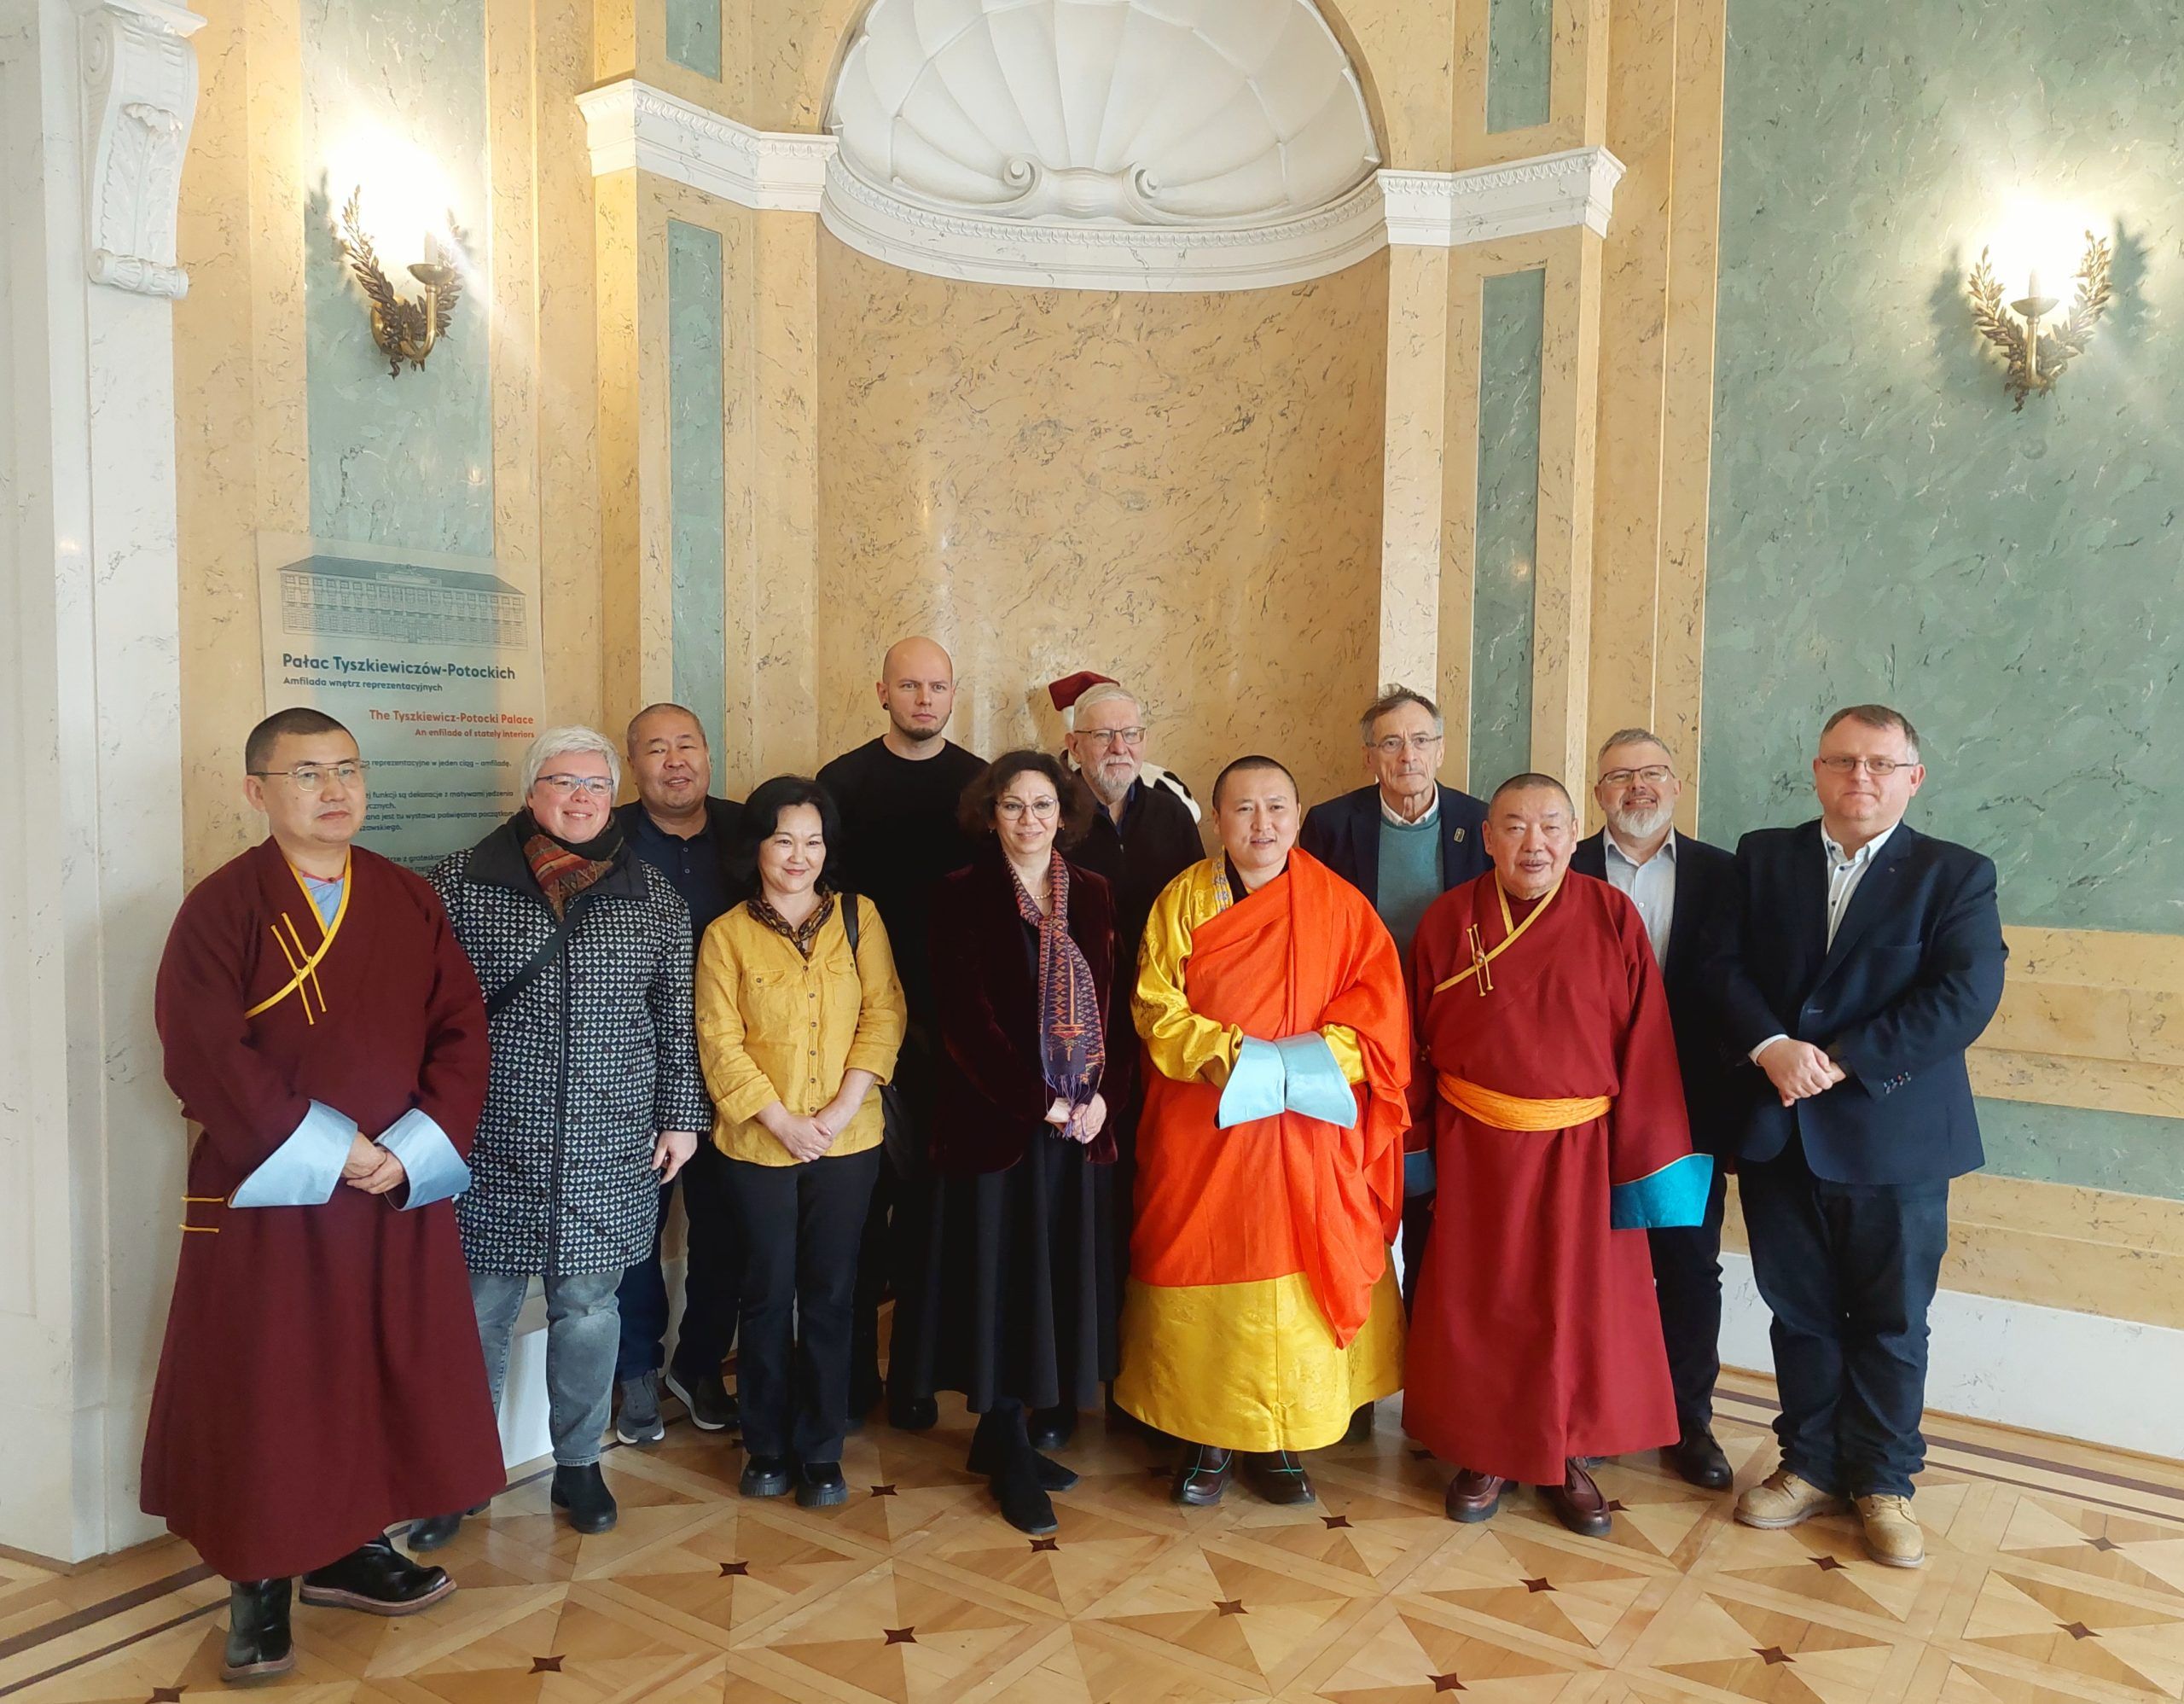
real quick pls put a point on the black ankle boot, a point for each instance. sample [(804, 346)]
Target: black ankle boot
[(583, 1493), (258, 1630)]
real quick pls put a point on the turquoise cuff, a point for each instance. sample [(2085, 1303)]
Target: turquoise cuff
[(304, 1171), (1314, 1084), (1254, 1087), (1673, 1197), (1418, 1173), (437, 1173)]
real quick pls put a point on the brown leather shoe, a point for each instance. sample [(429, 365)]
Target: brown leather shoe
[(1279, 1477), (1577, 1504), (1204, 1475), (1474, 1496)]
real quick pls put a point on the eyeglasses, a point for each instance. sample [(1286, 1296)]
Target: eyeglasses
[(568, 786), (1879, 768), (310, 777), (1109, 736), (1013, 809), (1393, 746), (1653, 775)]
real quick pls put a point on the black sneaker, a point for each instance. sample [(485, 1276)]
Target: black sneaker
[(820, 1485), (764, 1476), (378, 1579), (711, 1404), (583, 1493), (637, 1421)]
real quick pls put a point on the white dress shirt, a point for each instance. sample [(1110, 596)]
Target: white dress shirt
[(1390, 814), (1651, 887), (1845, 870)]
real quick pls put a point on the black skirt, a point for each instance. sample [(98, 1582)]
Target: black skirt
[(1021, 1299)]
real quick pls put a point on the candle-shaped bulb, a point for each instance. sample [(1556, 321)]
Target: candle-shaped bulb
[(2032, 284)]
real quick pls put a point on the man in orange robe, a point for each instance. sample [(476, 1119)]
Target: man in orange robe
[(1261, 1312), (1536, 1338)]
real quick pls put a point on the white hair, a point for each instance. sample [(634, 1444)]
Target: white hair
[(558, 742), (1101, 692)]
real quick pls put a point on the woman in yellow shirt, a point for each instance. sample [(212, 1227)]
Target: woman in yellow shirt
[(798, 1022)]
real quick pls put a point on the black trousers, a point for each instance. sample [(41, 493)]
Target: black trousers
[(1849, 1271), (800, 1226), (1688, 1283), (712, 1281), (892, 1257)]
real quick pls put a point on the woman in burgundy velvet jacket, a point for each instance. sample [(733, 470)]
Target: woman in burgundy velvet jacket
[(1020, 1316)]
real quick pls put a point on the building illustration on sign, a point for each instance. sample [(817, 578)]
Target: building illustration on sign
[(329, 597)]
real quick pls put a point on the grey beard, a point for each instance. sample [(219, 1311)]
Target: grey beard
[(1637, 825)]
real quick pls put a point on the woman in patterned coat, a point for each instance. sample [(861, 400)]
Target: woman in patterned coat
[(595, 1098)]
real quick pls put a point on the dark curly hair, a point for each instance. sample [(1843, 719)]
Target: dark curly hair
[(982, 798), (762, 815)]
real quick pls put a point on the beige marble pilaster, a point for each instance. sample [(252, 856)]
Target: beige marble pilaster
[(1412, 535), (1562, 600)]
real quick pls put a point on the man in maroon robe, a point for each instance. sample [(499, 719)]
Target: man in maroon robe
[(1561, 1138), (321, 1376)]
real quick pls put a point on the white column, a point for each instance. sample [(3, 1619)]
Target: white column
[(96, 104)]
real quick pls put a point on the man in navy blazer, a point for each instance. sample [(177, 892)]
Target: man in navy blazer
[(1863, 959), (1402, 842), (1678, 883)]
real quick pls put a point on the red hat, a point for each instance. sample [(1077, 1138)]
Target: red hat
[(1070, 688)]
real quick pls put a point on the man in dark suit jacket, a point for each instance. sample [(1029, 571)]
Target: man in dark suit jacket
[(676, 825), (1402, 842), (1678, 883), (1862, 958)]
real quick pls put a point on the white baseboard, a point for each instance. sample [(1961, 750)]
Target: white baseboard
[(2112, 1382), (526, 1432)]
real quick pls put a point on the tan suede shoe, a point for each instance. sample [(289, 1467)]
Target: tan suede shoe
[(1893, 1532), (1782, 1499)]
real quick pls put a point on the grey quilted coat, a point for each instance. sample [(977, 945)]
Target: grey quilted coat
[(593, 1056)]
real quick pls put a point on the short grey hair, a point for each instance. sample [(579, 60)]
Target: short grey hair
[(1632, 737), (1103, 692), (1879, 716), (556, 742), (1394, 698)]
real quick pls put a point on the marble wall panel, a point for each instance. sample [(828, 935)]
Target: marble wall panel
[(693, 35), (1512, 321), (1181, 490), (397, 91), (1518, 57), (1883, 525), (697, 471)]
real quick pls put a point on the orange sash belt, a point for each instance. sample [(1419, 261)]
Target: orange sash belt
[(1513, 1111)]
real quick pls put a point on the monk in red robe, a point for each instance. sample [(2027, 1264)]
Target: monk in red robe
[(1561, 1138), (321, 1376)]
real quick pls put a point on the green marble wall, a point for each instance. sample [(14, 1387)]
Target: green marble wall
[(693, 35), (1519, 59), (697, 476), (1514, 312), (1883, 527), (408, 460)]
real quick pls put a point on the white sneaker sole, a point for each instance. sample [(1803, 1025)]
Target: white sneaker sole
[(675, 1389), (1774, 1523)]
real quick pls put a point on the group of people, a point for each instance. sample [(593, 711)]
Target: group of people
[(1111, 1120)]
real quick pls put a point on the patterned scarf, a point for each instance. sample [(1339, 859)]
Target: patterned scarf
[(563, 870), (801, 936), (1072, 1043)]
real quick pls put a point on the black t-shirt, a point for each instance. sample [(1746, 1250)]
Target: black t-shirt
[(900, 837)]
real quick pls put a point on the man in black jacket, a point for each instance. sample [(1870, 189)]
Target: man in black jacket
[(677, 827), (1677, 883), (1402, 842), (1862, 959)]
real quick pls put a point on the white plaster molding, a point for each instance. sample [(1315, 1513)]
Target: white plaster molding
[(632, 124), (1448, 209), (1068, 255), (140, 98)]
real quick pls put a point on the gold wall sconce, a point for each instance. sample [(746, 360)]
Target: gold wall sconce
[(405, 328), (2036, 358)]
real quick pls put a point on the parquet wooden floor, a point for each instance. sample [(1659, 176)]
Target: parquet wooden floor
[(2056, 1575)]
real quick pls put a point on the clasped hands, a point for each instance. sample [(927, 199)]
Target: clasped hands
[(807, 1136), (1089, 1120), (371, 1168), (1798, 1070)]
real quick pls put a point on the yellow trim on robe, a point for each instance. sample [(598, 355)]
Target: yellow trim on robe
[(1254, 1366), (1180, 1044)]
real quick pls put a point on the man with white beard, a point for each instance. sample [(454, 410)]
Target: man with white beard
[(1677, 882)]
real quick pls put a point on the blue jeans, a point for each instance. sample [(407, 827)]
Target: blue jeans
[(583, 1326), (1849, 1271)]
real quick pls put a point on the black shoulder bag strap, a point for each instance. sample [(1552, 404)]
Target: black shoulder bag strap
[(849, 920), (550, 949)]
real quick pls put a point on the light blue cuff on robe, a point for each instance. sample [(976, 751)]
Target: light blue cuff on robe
[(304, 1171), (1418, 1173), (1255, 1086), (1673, 1197), (437, 1173), (1314, 1082)]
